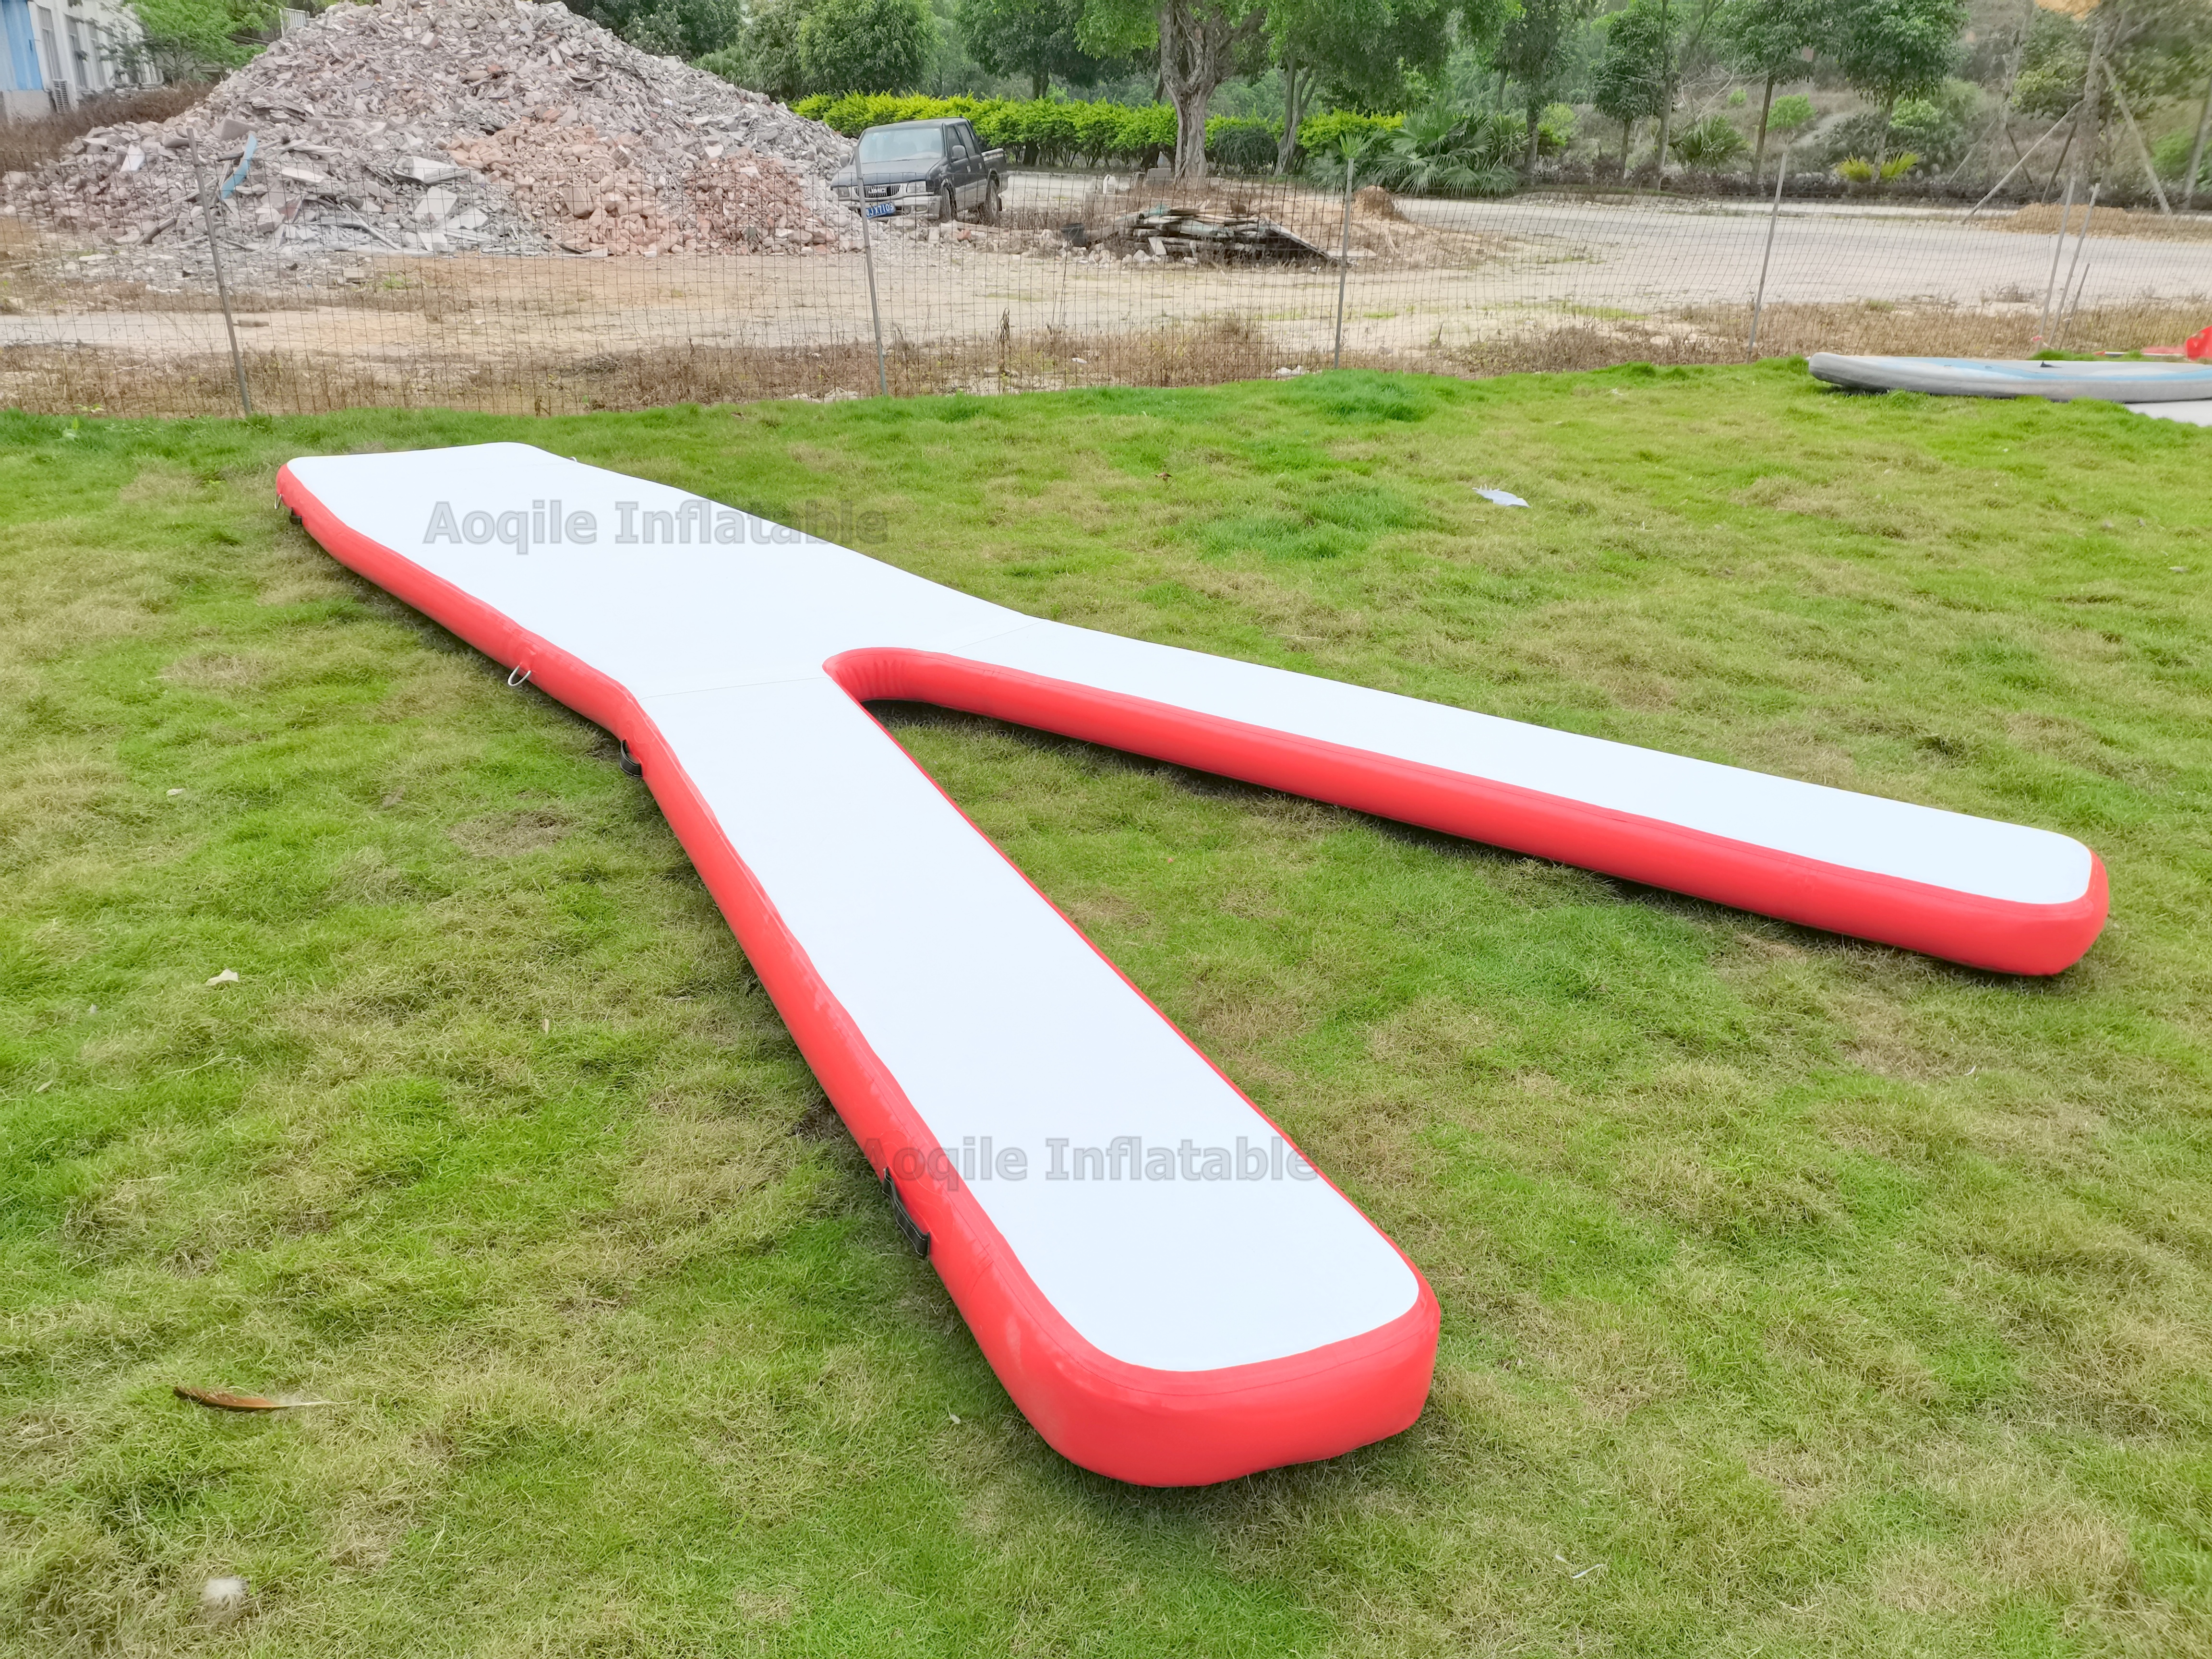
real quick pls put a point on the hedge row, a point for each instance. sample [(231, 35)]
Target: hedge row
[(1051, 133)]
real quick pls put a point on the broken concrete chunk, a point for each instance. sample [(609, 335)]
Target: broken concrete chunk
[(425, 170), (434, 205)]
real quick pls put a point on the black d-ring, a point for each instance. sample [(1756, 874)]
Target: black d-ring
[(630, 762)]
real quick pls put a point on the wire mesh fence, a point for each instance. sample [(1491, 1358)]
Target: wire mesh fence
[(1083, 279)]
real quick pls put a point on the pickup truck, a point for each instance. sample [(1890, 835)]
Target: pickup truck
[(936, 167)]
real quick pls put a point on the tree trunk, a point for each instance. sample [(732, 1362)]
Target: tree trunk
[(1666, 120), (1881, 144), (1199, 41), (1759, 151), (1040, 84), (1666, 86), (1190, 132), (1627, 139), (1536, 114), (2197, 153), (2084, 136), (1295, 83)]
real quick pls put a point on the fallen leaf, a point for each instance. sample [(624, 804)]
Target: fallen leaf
[(43, 1087), (227, 976), (224, 1400), (176, 792)]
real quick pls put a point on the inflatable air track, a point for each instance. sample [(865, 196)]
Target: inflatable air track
[(1988, 377), (1168, 1289)]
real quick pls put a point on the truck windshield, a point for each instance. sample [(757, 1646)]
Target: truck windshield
[(903, 144)]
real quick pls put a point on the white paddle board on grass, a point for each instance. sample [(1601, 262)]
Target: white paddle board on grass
[(1988, 377)]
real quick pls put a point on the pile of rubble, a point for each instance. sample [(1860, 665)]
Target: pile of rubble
[(1166, 231), (594, 190), (451, 125)]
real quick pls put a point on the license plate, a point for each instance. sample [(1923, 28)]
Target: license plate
[(881, 209)]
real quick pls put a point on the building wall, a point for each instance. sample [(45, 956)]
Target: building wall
[(53, 52), (21, 85)]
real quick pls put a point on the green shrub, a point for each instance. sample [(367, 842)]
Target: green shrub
[(1898, 164), (192, 37), (2170, 155), (1061, 132), (1555, 129), (729, 63), (1442, 150), (1938, 129), (1711, 143), (1243, 146), (1789, 112), (1319, 134), (1856, 170), (1039, 131)]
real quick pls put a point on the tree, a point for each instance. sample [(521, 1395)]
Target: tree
[(669, 28), (1894, 48), (1356, 53), (1036, 39), (1532, 48), (1688, 24), (1201, 44), (187, 39), (865, 45), (1631, 84), (1770, 40), (771, 50)]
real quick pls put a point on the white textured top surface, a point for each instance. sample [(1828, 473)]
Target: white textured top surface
[(995, 1016), (2188, 414)]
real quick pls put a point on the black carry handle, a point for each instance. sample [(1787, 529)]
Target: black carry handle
[(906, 1224)]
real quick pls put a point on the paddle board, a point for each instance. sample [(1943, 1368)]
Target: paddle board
[(1985, 377)]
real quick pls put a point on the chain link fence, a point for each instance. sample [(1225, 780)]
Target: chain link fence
[(1086, 279)]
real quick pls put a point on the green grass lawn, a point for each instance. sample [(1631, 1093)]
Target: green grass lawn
[(1800, 1297)]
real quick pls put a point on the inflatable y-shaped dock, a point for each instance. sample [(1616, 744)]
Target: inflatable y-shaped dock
[(1168, 1289)]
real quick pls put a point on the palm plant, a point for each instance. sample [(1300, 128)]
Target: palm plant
[(1442, 150)]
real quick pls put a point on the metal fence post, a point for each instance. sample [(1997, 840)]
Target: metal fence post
[(221, 287), (2075, 264), (868, 257), (2057, 247), (1758, 302), (1344, 259)]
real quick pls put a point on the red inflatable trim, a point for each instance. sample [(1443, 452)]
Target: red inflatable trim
[(1169, 1428), (1148, 1427), (1982, 932)]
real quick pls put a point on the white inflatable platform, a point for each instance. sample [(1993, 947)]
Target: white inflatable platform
[(1168, 1289)]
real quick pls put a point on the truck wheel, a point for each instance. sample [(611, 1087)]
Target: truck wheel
[(948, 206), (988, 213)]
